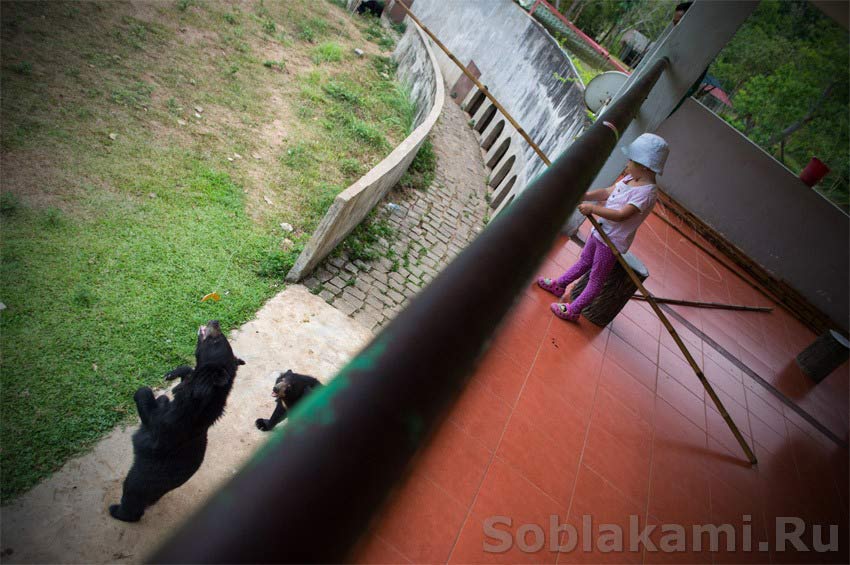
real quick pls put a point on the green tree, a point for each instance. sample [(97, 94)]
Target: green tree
[(786, 71)]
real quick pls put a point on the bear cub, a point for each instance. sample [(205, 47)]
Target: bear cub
[(289, 388), (169, 446)]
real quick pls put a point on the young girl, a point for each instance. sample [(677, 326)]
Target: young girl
[(627, 204)]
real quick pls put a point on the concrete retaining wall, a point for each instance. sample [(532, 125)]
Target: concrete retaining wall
[(519, 61), (528, 73), (418, 69), (759, 205)]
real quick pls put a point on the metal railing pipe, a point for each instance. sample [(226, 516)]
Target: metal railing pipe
[(311, 490)]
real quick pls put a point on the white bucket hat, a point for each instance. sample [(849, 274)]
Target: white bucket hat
[(648, 150)]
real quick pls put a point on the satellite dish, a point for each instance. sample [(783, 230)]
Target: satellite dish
[(600, 90)]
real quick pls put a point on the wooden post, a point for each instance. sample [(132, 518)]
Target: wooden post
[(615, 294), (825, 355)]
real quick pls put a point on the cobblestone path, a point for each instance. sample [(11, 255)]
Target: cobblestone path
[(431, 227)]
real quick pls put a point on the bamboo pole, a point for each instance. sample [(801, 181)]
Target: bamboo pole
[(708, 388), (763, 283), (713, 305), (475, 81), (675, 335), (764, 292)]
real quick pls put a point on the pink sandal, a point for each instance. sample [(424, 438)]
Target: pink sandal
[(564, 311), (551, 285)]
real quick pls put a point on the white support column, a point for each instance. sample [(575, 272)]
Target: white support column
[(690, 46)]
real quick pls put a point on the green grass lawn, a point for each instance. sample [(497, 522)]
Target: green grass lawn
[(149, 154)]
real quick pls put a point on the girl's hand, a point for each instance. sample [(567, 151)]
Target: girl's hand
[(586, 209)]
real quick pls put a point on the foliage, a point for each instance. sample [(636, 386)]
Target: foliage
[(787, 68), (275, 263), (276, 65), (363, 243), (109, 242), (585, 70), (99, 306), (420, 175), (607, 20), (786, 71), (377, 34), (328, 52)]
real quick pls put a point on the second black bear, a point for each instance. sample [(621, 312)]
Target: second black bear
[(288, 389), (170, 444)]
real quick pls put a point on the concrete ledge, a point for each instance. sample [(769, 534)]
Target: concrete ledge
[(418, 68)]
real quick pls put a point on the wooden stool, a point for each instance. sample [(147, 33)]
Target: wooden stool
[(615, 293), (824, 356)]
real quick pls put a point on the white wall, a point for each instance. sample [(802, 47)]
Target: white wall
[(759, 205), (518, 60)]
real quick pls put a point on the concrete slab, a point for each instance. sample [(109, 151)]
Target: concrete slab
[(65, 518)]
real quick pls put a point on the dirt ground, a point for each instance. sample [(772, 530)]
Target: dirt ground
[(65, 518)]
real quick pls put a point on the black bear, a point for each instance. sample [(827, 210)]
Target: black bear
[(289, 388), (374, 7), (170, 444)]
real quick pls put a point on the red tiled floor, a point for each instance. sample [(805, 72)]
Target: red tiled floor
[(633, 395), (600, 503), (619, 420), (723, 380), (766, 436), (735, 408), (625, 466), (765, 412), (564, 256), (681, 398), (632, 361), (582, 332), (506, 493), (642, 315), (550, 412), (518, 346), (376, 551), (612, 423), (672, 544), (644, 342), (455, 461), (422, 506), (572, 371), (680, 370), (501, 375), (739, 509), (677, 432), (718, 335), (720, 430), (731, 466), (555, 456), (691, 342), (481, 414)]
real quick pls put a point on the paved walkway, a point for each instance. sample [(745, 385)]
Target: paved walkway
[(432, 226), (64, 519)]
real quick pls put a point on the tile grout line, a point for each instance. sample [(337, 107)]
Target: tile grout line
[(655, 399), (586, 435), (397, 550), (496, 449), (754, 376), (746, 370)]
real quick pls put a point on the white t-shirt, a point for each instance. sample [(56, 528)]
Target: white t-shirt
[(642, 197)]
